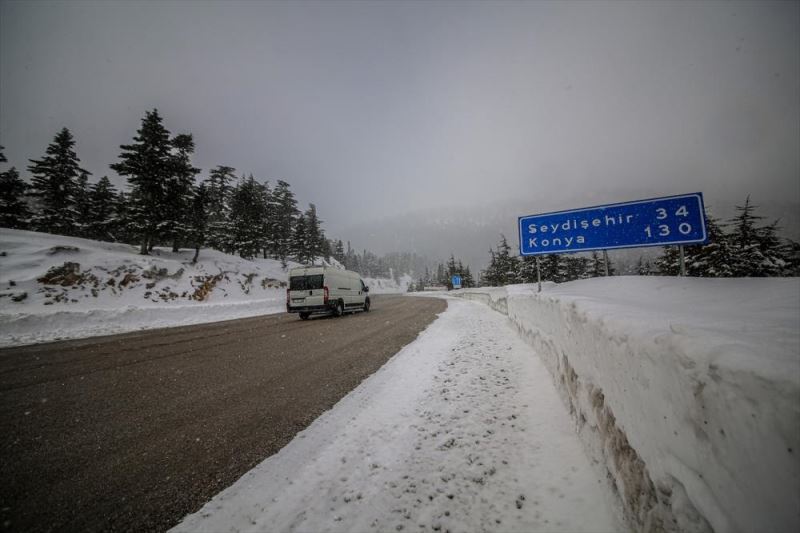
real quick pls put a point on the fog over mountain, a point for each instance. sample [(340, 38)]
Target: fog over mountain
[(426, 125)]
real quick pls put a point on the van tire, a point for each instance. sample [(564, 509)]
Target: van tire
[(304, 316), (339, 309), (366, 305)]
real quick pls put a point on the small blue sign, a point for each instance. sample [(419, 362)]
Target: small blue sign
[(653, 222), (456, 280)]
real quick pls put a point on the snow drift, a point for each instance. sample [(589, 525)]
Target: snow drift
[(686, 390)]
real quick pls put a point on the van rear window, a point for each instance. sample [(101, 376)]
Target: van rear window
[(305, 283)]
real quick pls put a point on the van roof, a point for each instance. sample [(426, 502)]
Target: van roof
[(312, 270)]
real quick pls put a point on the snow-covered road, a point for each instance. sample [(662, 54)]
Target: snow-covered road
[(461, 430)]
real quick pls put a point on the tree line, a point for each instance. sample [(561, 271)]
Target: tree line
[(443, 276), (164, 203), (740, 247)]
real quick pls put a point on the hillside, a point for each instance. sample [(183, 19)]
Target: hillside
[(55, 287)]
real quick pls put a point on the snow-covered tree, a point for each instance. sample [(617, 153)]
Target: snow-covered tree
[(247, 217), (55, 186), (756, 251), (282, 218), (219, 189), (102, 222), (148, 164), (180, 191), (315, 236), (198, 220), (82, 205)]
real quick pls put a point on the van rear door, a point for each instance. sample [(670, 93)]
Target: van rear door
[(306, 291)]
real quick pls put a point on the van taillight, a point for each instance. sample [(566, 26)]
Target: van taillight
[(325, 295)]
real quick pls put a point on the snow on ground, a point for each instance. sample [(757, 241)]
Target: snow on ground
[(687, 390), (54, 287), (462, 430)]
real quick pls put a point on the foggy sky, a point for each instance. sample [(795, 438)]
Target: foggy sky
[(376, 109)]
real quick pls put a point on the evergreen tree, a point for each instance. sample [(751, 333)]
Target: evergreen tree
[(101, 220), (82, 205), (14, 212), (575, 267), (756, 251), (315, 236), (643, 267), (283, 214), (712, 259), (527, 269), (668, 263), (247, 217), (218, 191), (149, 165), (55, 186), (300, 240), (338, 251), (198, 220), (503, 268), (597, 266), (180, 191), (122, 229), (554, 268)]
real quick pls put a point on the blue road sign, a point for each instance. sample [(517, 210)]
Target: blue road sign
[(456, 282), (653, 222)]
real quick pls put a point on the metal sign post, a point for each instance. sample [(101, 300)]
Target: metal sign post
[(605, 262), (683, 262), (538, 274)]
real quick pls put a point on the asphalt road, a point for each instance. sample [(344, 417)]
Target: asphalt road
[(132, 432)]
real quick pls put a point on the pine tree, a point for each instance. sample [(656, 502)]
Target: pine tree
[(82, 205), (219, 190), (597, 266), (14, 212), (283, 214), (756, 251), (247, 217), (300, 239), (575, 267), (554, 268), (55, 185), (122, 229), (338, 251), (149, 164), (668, 263), (101, 220), (643, 267), (315, 239), (180, 191), (198, 220), (712, 259)]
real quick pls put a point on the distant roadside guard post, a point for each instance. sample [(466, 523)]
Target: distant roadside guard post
[(456, 280), (670, 220)]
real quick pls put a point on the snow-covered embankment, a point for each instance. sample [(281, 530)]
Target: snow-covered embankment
[(686, 390)]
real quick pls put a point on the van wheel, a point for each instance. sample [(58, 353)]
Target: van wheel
[(339, 309), (304, 316), (366, 305)]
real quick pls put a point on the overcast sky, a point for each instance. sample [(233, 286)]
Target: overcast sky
[(373, 109)]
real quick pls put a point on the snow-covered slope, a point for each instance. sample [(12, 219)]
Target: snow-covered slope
[(687, 390), (54, 287)]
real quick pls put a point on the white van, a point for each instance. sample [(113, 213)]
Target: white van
[(322, 289)]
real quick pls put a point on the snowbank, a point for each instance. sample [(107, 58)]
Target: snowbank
[(686, 390), (54, 287), (460, 431)]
